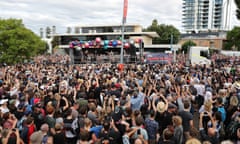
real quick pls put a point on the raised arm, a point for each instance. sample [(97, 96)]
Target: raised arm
[(153, 104)]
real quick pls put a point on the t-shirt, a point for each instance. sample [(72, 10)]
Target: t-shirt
[(31, 130), (152, 128), (223, 113), (50, 121), (59, 138), (96, 130), (69, 131), (143, 132), (186, 118)]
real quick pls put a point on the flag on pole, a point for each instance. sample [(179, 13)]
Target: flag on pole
[(125, 7)]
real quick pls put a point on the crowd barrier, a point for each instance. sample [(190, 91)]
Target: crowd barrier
[(104, 59)]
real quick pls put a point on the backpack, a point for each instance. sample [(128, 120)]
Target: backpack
[(68, 127)]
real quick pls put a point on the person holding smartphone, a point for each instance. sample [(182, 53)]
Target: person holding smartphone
[(13, 137)]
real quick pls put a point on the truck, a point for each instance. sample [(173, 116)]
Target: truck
[(199, 55)]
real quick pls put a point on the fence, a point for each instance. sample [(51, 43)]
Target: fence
[(99, 59)]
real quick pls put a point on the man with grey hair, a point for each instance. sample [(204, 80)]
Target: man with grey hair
[(40, 136)]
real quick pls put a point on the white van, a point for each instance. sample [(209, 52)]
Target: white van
[(199, 55)]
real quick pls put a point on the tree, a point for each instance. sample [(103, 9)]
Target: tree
[(187, 45), (233, 37), (164, 32), (18, 43), (238, 9)]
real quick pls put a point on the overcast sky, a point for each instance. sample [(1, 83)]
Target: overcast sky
[(62, 13)]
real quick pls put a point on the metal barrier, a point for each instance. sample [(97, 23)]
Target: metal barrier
[(104, 59)]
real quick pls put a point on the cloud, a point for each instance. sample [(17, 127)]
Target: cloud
[(62, 13)]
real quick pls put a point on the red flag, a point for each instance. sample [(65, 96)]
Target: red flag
[(125, 7)]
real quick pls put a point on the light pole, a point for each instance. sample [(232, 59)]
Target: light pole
[(172, 49)]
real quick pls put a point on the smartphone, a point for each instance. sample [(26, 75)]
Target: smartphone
[(138, 131)]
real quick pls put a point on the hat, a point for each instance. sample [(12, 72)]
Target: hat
[(117, 85), (11, 102), (2, 101), (234, 101), (237, 85), (80, 80), (36, 100), (161, 107)]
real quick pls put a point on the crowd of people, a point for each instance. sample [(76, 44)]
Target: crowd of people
[(50, 101)]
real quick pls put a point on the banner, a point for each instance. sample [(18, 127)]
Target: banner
[(159, 58), (125, 8)]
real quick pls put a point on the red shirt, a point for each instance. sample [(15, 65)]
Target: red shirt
[(31, 130)]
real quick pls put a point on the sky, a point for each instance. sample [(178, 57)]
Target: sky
[(38, 14)]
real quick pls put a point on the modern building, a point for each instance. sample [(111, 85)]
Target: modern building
[(88, 34), (206, 15)]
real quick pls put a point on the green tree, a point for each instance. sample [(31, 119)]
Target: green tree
[(233, 39), (55, 41), (187, 45), (18, 43), (238, 8), (164, 32)]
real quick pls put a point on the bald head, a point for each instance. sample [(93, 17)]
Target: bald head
[(138, 141), (211, 132)]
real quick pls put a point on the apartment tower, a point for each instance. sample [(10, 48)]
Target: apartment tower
[(206, 15)]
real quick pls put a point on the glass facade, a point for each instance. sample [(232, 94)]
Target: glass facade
[(106, 29)]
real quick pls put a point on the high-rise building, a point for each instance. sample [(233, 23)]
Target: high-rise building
[(206, 15)]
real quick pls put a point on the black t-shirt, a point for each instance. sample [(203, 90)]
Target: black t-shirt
[(164, 119), (167, 119), (59, 138), (113, 136), (38, 119), (166, 142), (186, 118), (18, 114)]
